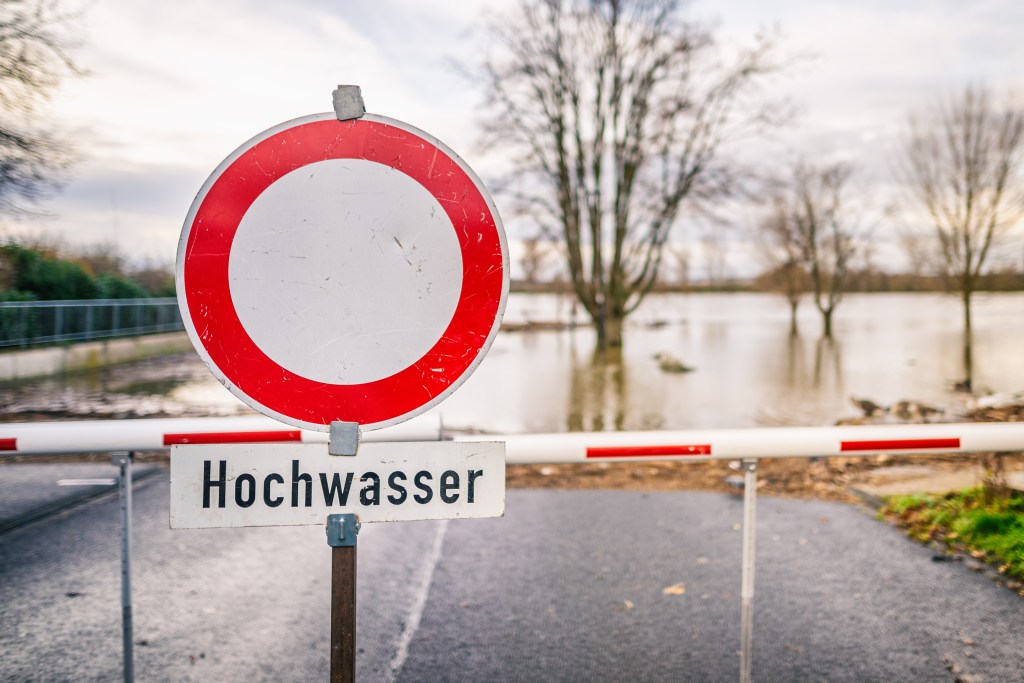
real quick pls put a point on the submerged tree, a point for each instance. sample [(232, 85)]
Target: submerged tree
[(811, 228), (537, 252), (963, 160), (615, 113), (34, 57), (783, 255)]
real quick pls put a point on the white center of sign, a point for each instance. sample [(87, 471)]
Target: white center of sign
[(345, 271)]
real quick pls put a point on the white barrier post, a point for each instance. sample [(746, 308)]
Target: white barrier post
[(123, 459), (747, 577)]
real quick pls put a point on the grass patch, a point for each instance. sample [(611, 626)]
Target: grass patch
[(992, 530)]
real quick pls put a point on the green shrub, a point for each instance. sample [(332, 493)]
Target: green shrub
[(992, 527)]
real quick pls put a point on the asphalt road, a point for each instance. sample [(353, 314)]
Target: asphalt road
[(568, 586)]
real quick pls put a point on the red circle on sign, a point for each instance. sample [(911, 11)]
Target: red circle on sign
[(238, 361)]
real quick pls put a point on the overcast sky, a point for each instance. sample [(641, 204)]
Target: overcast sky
[(176, 86)]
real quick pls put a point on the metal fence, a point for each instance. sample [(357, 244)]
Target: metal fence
[(28, 323)]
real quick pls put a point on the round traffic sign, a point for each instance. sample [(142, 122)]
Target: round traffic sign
[(348, 271)]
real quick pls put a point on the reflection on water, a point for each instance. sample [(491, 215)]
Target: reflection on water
[(597, 392), (828, 362), (749, 369), (598, 399), (178, 385)]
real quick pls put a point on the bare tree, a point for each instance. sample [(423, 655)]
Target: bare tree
[(536, 252), (829, 239), (34, 57), (963, 159), (784, 256), (712, 246), (810, 217), (681, 255), (915, 247), (615, 112)]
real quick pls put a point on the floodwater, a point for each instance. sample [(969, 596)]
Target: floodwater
[(748, 369)]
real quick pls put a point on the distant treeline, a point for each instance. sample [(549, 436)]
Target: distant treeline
[(41, 273), (1007, 280), (876, 281), (857, 281)]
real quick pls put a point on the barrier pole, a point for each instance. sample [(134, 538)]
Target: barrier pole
[(123, 459), (747, 578)]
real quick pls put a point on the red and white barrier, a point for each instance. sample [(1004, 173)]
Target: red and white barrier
[(775, 442), (726, 444), (89, 436)]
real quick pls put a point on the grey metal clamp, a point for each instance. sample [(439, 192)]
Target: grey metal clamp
[(342, 530)]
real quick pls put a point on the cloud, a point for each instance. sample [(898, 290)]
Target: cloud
[(177, 86)]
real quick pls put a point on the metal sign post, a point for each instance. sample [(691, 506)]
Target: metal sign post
[(341, 536)]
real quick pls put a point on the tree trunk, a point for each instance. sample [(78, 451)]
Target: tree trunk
[(826, 320), (968, 381), (967, 311), (609, 332), (793, 331)]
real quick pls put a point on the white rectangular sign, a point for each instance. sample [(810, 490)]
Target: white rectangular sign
[(279, 484)]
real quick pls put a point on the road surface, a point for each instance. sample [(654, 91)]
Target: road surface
[(568, 586)]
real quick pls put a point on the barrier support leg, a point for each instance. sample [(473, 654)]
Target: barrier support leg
[(747, 590), (123, 460)]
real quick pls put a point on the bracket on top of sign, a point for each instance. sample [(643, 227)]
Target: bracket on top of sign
[(348, 102)]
